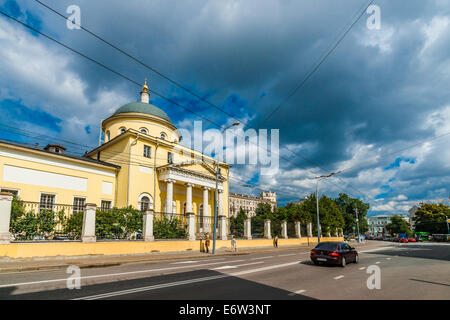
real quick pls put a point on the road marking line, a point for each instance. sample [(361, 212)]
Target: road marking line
[(114, 274), (377, 262), (262, 258), (296, 292), (178, 283), (362, 268), (237, 266), (388, 258), (193, 261), (377, 249), (338, 277), (285, 255)]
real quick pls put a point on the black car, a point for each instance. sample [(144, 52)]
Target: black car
[(338, 253)]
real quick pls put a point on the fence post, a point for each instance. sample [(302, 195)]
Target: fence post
[(191, 226), (267, 233), (309, 229), (222, 227), (147, 229), (298, 230), (88, 232), (248, 229), (284, 229), (5, 217)]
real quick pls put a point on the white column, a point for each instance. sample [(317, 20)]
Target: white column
[(247, 228), (147, 230), (189, 198), (169, 197), (267, 233), (298, 230), (206, 220), (309, 229), (88, 231), (191, 226), (5, 216), (220, 200), (284, 230), (222, 228)]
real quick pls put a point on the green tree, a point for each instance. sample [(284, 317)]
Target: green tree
[(237, 223), (398, 225), (432, 218), (348, 208), (263, 209)]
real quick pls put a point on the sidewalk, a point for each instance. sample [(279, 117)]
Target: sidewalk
[(34, 264)]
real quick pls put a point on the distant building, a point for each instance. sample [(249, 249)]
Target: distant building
[(377, 224), (249, 203), (412, 214)]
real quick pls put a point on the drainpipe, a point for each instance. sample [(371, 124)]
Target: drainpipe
[(129, 168), (154, 179)]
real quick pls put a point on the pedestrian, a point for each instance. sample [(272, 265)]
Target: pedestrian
[(275, 241), (207, 243), (233, 244)]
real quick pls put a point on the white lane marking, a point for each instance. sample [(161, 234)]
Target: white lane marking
[(388, 258), (338, 277), (237, 266), (286, 255), (194, 261), (115, 274), (296, 292), (178, 283), (377, 262), (362, 268), (262, 258), (377, 249)]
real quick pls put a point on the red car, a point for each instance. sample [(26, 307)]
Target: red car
[(412, 240), (339, 253), (403, 240)]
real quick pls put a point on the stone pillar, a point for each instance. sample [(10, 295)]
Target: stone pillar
[(189, 208), (284, 230), (88, 231), (267, 233), (220, 200), (5, 216), (309, 229), (222, 227), (206, 217), (248, 228), (147, 230), (169, 197), (298, 230), (336, 233), (190, 217)]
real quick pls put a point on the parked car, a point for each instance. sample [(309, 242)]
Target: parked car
[(395, 239), (338, 253), (403, 240), (412, 240)]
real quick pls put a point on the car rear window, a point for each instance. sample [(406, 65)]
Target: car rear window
[(327, 246)]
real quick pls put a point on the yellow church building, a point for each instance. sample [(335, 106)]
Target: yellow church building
[(140, 162)]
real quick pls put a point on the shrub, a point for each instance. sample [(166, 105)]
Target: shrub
[(169, 229)]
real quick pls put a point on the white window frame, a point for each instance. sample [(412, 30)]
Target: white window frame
[(73, 202), (150, 151), (142, 195), (143, 130), (120, 130), (163, 136), (5, 189), (51, 194)]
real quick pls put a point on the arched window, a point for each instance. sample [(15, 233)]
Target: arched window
[(145, 202), (163, 136), (143, 130), (122, 130)]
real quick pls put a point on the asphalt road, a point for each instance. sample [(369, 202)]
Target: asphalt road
[(407, 271)]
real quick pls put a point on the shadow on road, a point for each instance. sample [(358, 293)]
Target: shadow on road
[(179, 286), (436, 252)]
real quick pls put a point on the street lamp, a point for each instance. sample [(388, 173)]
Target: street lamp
[(317, 199), (216, 200)]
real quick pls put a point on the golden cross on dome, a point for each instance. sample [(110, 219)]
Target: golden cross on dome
[(145, 87)]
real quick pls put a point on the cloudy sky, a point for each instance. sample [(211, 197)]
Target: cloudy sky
[(378, 108)]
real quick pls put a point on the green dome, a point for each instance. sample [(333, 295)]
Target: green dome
[(140, 107)]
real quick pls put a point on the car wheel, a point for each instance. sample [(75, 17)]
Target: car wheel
[(356, 259), (343, 262), (316, 263)]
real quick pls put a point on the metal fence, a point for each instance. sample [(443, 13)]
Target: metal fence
[(118, 224), (170, 226), (43, 221), (257, 227), (291, 230)]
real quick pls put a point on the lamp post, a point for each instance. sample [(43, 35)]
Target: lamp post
[(317, 200), (216, 196)]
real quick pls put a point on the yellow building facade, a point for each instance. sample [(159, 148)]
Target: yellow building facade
[(140, 162)]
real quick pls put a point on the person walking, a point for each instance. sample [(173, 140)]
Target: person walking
[(275, 241), (233, 244), (207, 243)]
